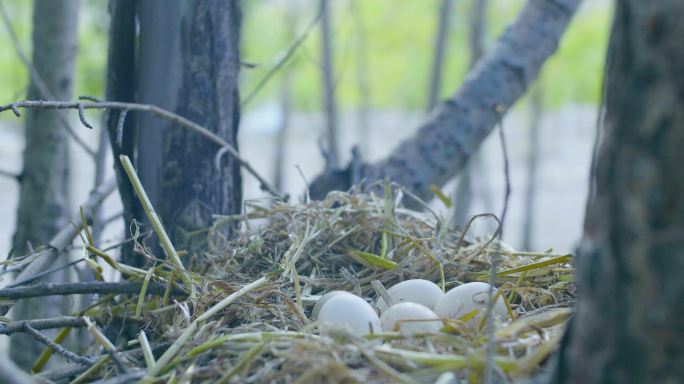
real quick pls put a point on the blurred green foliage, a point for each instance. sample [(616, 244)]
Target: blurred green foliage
[(399, 38), (399, 47)]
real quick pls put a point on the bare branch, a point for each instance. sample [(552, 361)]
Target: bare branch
[(9, 174), (90, 287), (286, 57), (56, 347), (53, 322), (159, 112), (17, 283)]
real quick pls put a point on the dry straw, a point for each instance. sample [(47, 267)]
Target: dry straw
[(249, 319)]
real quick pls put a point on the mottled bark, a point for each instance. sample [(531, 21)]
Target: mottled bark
[(187, 61), (43, 201), (192, 187), (444, 143), (629, 324)]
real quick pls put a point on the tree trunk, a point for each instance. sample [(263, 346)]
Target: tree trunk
[(362, 84), (121, 81), (476, 37), (455, 130), (331, 151), (208, 96), (285, 109), (536, 108), (43, 201), (187, 61), (441, 39), (629, 324)]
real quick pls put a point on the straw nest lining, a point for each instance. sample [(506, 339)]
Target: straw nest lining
[(248, 320)]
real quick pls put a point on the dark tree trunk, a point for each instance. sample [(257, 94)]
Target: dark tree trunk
[(121, 80), (629, 324), (208, 96), (43, 201), (187, 61)]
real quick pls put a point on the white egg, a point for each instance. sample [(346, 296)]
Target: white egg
[(418, 291), (324, 299), (466, 298), (410, 318), (351, 312)]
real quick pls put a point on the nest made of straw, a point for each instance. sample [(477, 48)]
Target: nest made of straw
[(248, 320)]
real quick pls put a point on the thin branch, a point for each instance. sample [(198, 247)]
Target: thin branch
[(38, 81), (159, 112), (491, 344), (49, 323), (9, 174), (57, 348), (17, 283), (288, 54), (123, 379), (90, 287)]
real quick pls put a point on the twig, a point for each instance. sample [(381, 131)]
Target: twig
[(49, 323), (56, 347), (120, 127), (38, 81), (101, 165), (130, 377), (90, 287), (490, 367), (288, 54), (81, 116), (9, 174), (17, 283), (159, 112), (61, 241)]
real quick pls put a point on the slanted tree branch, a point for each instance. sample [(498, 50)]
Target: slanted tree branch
[(444, 143), (156, 111), (45, 257)]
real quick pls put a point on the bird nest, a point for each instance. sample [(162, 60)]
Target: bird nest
[(241, 311)]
